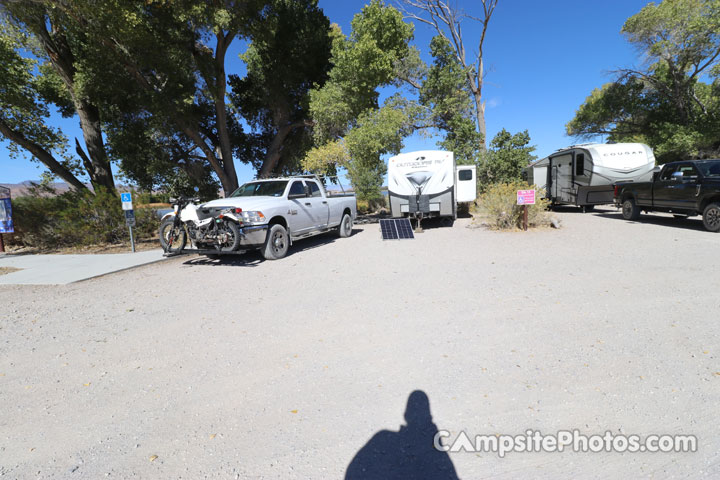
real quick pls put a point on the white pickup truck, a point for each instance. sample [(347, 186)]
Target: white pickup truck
[(278, 211)]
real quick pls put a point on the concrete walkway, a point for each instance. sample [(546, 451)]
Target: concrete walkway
[(63, 269)]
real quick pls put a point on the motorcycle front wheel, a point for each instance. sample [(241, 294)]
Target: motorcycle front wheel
[(232, 236), (172, 238)]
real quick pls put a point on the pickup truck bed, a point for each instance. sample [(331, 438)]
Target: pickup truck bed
[(685, 189)]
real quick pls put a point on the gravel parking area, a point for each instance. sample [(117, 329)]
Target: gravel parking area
[(244, 368)]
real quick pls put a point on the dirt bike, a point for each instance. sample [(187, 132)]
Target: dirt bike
[(215, 229)]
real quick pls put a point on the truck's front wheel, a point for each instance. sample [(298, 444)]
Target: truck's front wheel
[(276, 244), (711, 217), (630, 211)]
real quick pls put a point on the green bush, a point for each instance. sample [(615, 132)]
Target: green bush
[(76, 219), (143, 198), (498, 206)]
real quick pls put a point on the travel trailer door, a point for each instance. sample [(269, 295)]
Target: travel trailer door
[(465, 183), (562, 178)]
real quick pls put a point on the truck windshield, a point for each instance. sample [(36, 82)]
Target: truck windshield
[(261, 189), (709, 168)]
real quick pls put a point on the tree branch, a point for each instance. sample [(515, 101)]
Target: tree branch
[(42, 155)]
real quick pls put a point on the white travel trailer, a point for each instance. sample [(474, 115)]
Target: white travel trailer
[(584, 175), (428, 184)]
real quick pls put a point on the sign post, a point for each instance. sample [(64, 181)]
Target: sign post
[(525, 198), (6, 222), (127, 207)]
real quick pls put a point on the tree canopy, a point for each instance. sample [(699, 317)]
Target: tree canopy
[(673, 102), (149, 84), (508, 155)]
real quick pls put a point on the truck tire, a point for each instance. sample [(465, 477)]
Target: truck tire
[(344, 230), (277, 243), (711, 217), (630, 211)]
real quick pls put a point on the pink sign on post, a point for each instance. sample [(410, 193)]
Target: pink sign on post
[(526, 197)]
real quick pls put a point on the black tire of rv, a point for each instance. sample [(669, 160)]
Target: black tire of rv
[(711, 217), (630, 211), (344, 230), (277, 243)]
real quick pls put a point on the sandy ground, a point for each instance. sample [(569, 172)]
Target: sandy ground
[(251, 369)]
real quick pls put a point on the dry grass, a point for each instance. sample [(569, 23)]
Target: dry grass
[(140, 246), (6, 270)]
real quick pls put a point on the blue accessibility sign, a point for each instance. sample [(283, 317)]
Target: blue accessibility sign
[(126, 197), (130, 218)]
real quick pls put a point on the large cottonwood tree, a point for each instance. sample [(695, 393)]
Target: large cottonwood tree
[(672, 101), (447, 19)]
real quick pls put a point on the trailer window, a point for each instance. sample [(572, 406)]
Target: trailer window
[(579, 164), (464, 175)]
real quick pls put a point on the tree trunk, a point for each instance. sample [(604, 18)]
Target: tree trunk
[(228, 165), (63, 61), (274, 152), (43, 155), (100, 172), (480, 106)]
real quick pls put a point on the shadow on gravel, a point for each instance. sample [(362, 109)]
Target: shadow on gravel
[(579, 210), (433, 223), (407, 453), (670, 222), (253, 258)]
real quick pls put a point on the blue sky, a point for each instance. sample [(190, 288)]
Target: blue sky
[(542, 60)]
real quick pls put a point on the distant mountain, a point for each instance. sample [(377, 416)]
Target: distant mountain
[(23, 188)]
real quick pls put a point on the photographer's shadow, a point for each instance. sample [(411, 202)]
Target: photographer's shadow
[(406, 454)]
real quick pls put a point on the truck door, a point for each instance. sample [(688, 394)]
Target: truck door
[(319, 208), (683, 195), (299, 216), (663, 187)]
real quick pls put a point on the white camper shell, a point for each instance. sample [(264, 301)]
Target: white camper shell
[(428, 184), (584, 175)]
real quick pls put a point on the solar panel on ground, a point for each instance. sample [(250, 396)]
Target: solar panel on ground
[(388, 230), (396, 229), (404, 228)]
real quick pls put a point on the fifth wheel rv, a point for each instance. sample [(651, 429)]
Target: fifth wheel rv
[(428, 184), (583, 175)]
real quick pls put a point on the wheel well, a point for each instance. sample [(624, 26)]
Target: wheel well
[(627, 196), (347, 210), (278, 220), (708, 201)]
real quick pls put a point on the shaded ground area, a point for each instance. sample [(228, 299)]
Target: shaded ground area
[(247, 368)]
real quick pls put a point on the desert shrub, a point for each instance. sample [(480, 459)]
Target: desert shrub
[(76, 219), (498, 206), (365, 206)]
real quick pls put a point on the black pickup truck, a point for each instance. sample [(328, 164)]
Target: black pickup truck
[(684, 189)]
